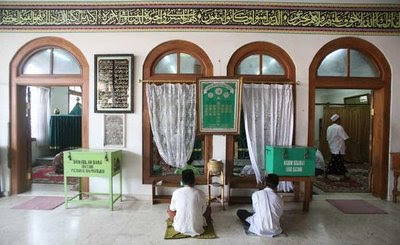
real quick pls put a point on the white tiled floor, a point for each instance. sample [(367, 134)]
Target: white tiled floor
[(139, 222)]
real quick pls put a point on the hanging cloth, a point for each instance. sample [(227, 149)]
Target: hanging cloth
[(268, 116), (172, 111), (40, 114)]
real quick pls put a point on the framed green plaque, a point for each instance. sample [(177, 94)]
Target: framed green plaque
[(219, 101)]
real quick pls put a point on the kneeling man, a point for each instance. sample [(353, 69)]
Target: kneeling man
[(267, 207), (188, 207)]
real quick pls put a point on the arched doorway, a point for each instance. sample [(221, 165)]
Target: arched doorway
[(175, 61), (376, 77), (20, 169)]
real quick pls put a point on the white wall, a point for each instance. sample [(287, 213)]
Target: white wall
[(59, 99), (219, 46)]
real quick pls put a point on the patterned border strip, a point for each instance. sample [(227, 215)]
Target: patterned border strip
[(364, 19)]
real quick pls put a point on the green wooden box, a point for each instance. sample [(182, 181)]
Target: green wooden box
[(290, 160), (92, 163)]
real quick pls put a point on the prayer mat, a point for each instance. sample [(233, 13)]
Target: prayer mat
[(355, 207), (170, 233), (41, 203), (356, 181), (249, 233), (44, 174)]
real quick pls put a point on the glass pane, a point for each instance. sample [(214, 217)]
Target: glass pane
[(76, 88), (270, 66), (65, 62), (168, 64), (189, 65), (361, 65), (38, 63), (250, 65), (334, 64)]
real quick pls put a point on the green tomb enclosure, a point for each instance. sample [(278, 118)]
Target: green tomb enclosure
[(290, 160), (93, 163)]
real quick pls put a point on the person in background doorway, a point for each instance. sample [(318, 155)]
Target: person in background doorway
[(319, 163), (268, 209), (336, 136), (188, 208)]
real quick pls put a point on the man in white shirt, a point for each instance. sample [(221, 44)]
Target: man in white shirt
[(188, 205), (335, 135), (267, 207)]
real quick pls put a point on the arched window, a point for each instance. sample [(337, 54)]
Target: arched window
[(178, 63), (260, 64), (50, 61), (257, 63), (181, 62), (347, 62)]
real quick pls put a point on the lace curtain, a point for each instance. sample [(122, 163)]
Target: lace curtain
[(268, 116), (172, 110), (40, 114)]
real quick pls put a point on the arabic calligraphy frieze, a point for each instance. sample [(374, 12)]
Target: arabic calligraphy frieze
[(371, 20)]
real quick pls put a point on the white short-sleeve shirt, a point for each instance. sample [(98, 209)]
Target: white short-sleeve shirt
[(190, 205), (335, 135), (268, 208)]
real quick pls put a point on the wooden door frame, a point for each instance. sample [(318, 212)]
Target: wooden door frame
[(19, 180), (381, 103)]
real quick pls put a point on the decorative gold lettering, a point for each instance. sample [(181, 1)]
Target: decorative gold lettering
[(347, 18)]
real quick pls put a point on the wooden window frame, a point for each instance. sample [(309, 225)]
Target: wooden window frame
[(152, 59), (178, 64), (260, 53), (348, 59), (381, 102), (51, 47), (289, 77)]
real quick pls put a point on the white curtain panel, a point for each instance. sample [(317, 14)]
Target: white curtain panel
[(268, 116), (172, 109), (40, 114)]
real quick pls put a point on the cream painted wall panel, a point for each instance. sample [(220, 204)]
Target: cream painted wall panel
[(219, 46)]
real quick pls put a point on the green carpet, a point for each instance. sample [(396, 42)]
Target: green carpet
[(170, 233)]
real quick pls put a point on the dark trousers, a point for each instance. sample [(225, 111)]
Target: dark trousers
[(336, 165), (243, 215)]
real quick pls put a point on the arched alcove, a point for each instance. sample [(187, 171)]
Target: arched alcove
[(169, 55), (263, 63)]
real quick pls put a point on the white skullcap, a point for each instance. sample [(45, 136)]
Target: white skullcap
[(334, 117)]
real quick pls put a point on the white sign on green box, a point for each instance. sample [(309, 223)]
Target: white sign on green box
[(290, 160)]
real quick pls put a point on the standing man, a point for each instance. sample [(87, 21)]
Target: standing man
[(335, 135), (268, 209)]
